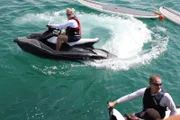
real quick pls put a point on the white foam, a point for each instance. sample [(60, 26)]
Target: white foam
[(127, 39), (129, 36)]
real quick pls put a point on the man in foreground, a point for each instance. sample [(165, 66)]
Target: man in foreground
[(153, 97)]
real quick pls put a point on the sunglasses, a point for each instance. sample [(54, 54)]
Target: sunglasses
[(68, 14), (157, 84)]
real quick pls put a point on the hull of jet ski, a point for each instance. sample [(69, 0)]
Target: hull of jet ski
[(47, 50), (116, 115)]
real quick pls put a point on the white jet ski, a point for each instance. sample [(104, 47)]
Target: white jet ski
[(116, 115)]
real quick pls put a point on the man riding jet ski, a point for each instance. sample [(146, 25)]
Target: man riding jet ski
[(67, 45), (72, 26)]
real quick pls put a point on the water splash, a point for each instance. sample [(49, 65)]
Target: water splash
[(131, 40), (128, 38)]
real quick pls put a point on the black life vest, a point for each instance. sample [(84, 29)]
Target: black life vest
[(74, 31), (150, 101)]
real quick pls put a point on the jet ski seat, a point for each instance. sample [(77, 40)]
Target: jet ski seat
[(79, 42)]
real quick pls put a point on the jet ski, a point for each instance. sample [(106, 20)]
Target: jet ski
[(116, 115), (43, 44)]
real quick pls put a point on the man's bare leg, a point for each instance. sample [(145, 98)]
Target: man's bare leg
[(59, 41)]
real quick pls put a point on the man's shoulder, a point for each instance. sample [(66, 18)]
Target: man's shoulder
[(141, 90), (167, 96), (71, 21)]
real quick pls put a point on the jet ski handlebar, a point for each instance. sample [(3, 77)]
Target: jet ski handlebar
[(50, 29)]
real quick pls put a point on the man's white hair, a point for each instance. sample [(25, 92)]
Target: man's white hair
[(71, 9)]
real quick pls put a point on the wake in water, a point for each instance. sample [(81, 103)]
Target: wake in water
[(126, 37), (131, 40)]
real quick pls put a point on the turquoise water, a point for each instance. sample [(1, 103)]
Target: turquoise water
[(33, 88)]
